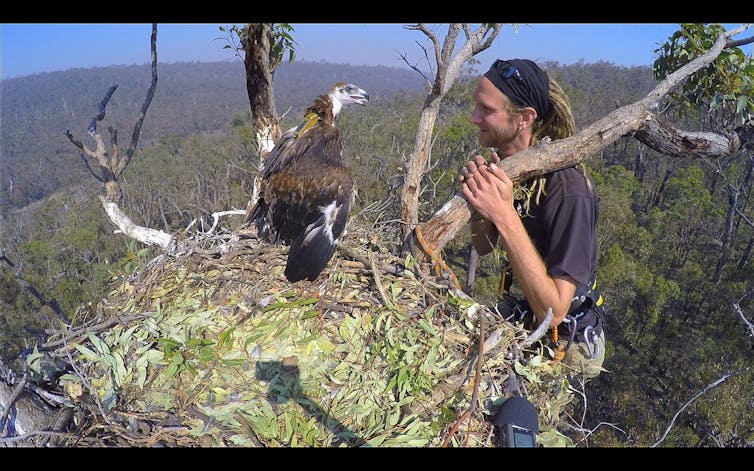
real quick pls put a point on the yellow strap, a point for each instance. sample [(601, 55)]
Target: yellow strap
[(599, 300), (501, 285)]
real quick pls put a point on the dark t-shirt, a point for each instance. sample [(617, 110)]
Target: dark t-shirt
[(563, 225)]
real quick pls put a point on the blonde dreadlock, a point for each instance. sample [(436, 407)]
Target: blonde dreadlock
[(558, 124)]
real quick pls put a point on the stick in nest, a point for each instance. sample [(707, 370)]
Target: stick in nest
[(377, 278)]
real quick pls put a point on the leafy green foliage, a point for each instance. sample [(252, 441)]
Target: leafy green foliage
[(280, 40), (724, 84)]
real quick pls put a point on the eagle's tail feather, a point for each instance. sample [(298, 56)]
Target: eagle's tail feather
[(258, 217), (310, 252)]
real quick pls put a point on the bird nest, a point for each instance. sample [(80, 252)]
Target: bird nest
[(214, 347)]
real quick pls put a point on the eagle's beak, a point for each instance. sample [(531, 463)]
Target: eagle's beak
[(361, 98)]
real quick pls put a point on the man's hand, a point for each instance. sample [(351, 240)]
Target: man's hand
[(474, 164), (488, 189)]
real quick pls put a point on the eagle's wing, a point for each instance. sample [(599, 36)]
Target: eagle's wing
[(325, 222), (280, 155), (305, 200), (289, 147)]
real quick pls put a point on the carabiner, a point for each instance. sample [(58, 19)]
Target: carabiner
[(591, 340), (568, 319)]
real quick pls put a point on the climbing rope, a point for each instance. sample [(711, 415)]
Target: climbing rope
[(439, 264)]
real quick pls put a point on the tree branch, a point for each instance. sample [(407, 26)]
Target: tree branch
[(85, 151), (101, 115), (91, 170), (218, 214), (144, 107), (145, 235), (707, 388), (547, 157), (449, 44), (659, 135), (740, 42), (11, 400), (432, 37), (52, 304), (737, 308), (448, 69)]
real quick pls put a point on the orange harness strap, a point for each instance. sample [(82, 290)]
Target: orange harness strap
[(559, 351), (439, 264)]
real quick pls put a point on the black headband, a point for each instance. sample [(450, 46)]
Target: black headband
[(523, 82)]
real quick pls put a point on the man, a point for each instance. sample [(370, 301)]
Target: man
[(548, 229)]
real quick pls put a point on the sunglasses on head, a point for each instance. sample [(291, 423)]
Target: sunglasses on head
[(507, 70)]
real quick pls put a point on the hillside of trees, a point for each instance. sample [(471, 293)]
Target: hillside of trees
[(194, 98), (674, 261)]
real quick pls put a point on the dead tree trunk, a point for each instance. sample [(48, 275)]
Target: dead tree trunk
[(448, 69), (261, 56), (638, 119), (727, 234), (661, 189), (472, 263), (112, 163)]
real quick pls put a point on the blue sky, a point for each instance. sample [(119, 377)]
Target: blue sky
[(27, 49)]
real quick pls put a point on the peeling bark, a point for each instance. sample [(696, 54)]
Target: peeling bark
[(448, 69)]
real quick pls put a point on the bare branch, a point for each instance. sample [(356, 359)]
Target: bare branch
[(114, 156), (144, 107), (145, 235), (32, 434), (659, 135), (737, 308), (91, 170), (52, 304), (431, 36), (588, 432), (378, 279), (405, 59), (217, 215), (743, 216), (740, 42), (449, 44), (86, 151), (11, 400), (707, 388), (488, 42), (101, 115)]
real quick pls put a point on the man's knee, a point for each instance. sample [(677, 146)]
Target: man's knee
[(579, 359)]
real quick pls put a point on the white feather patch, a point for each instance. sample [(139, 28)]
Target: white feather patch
[(330, 212)]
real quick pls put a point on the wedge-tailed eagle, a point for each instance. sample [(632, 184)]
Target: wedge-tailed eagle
[(306, 191)]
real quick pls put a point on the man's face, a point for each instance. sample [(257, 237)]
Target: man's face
[(497, 126)]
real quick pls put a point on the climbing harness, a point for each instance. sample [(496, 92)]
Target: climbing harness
[(583, 323), (587, 311)]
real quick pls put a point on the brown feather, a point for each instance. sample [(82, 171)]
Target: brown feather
[(301, 176)]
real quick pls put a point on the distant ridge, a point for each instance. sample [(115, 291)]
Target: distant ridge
[(191, 97)]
